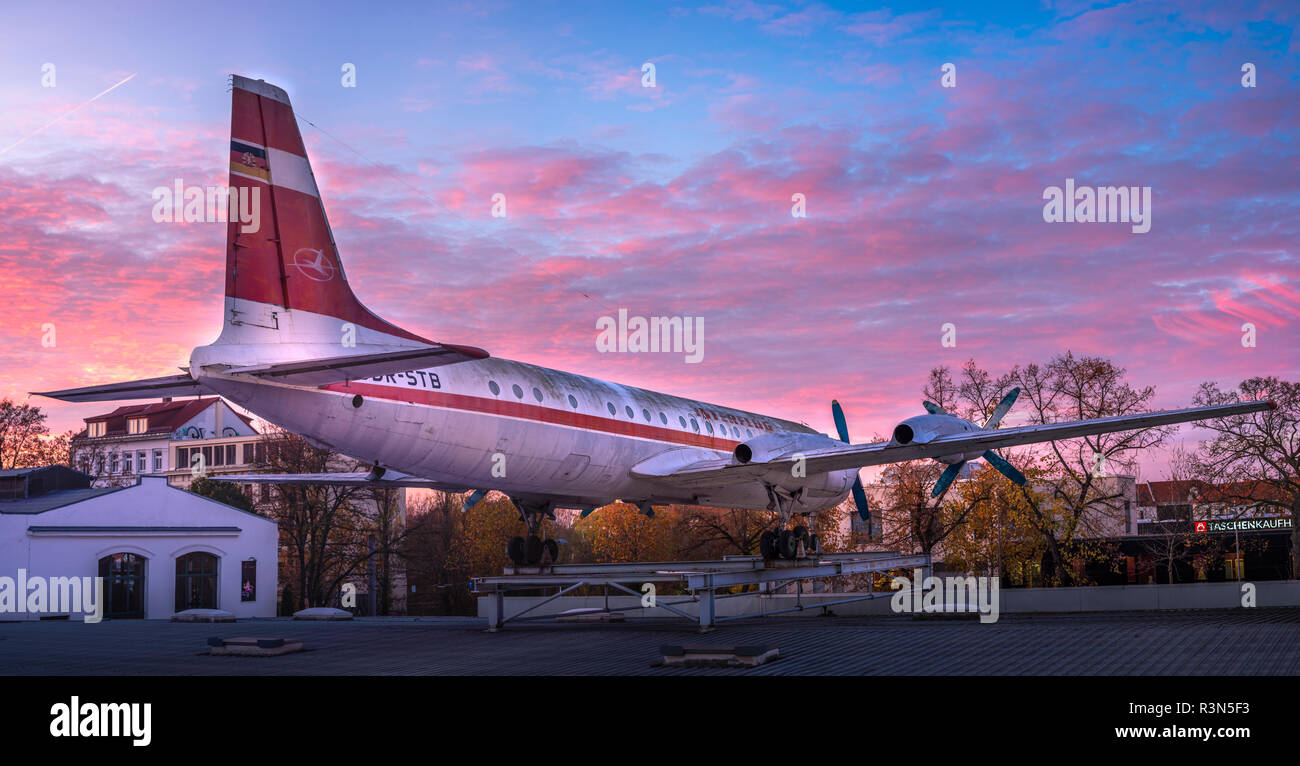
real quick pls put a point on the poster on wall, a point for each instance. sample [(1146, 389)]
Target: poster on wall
[(248, 576)]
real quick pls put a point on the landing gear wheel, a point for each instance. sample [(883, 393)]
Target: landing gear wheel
[(787, 544), (801, 533), (552, 550), (533, 549), (767, 545), (515, 550)]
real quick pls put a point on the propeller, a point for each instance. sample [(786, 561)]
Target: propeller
[(473, 499), (991, 457), (859, 494)]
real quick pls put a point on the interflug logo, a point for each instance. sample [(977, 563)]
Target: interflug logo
[(313, 264)]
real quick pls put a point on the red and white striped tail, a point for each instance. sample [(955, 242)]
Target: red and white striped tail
[(286, 275)]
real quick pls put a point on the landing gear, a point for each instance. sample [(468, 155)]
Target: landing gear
[(782, 542), (789, 544), (533, 550), (515, 550)]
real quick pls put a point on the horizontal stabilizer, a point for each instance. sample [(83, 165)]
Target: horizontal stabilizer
[(360, 479), (147, 388), (337, 369)]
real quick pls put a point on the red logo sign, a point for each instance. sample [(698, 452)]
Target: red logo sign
[(1200, 526)]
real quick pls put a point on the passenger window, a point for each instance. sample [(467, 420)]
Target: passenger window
[(647, 415), (537, 393), (681, 420), (663, 418), (695, 425), (519, 392), (630, 414), (709, 426), (610, 405), (573, 402), (493, 387)]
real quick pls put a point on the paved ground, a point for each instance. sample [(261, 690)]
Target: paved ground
[(1236, 642)]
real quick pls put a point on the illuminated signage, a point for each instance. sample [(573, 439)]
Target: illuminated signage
[(1242, 525)]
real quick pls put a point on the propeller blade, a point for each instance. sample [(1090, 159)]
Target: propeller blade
[(946, 478), (1002, 409), (841, 425), (860, 499), (1005, 468), (859, 494), (473, 499), (933, 408)]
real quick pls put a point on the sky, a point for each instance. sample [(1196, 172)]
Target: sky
[(924, 204)]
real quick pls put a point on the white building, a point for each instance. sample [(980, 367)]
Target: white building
[(176, 438), (181, 439), (159, 549)]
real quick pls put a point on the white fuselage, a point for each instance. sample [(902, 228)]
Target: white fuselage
[(493, 423), (519, 428)]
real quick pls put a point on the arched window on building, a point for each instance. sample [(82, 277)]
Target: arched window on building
[(196, 581), (123, 575)]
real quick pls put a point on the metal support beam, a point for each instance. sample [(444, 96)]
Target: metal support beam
[(701, 578)]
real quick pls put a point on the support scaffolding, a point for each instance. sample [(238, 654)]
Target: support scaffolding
[(701, 578)]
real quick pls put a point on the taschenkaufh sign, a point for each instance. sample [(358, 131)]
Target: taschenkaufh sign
[(1243, 525)]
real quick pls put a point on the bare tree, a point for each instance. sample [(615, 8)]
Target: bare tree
[(25, 440), (319, 524), (912, 518), (1078, 507), (1255, 459)]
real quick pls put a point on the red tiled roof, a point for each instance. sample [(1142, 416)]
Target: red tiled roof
[(164, 417), (1195, 491)]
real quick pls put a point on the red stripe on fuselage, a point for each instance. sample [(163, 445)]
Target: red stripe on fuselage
[(535, 413)]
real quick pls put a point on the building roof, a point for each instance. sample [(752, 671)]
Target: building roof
[(10, 472), (1195, 491), (164, 416), (25, 483), (51, 500)]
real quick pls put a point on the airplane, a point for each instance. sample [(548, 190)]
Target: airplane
[(298, 349)]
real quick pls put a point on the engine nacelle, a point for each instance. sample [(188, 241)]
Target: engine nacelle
[(923, 429), (767, 447)]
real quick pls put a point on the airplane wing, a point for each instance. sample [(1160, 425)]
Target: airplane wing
[(336, 369), (390, 480), (726, 471), (147, 388)]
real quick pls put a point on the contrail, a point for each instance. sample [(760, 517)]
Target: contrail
[(65, 114)]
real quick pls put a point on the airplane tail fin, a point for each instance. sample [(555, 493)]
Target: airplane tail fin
[(284, 279)]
